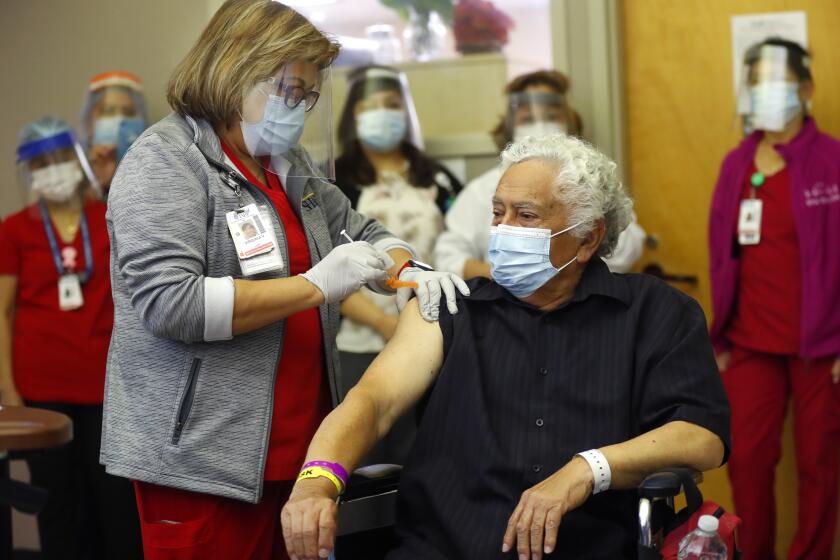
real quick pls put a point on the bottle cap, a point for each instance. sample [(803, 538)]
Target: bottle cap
[(708, 523)]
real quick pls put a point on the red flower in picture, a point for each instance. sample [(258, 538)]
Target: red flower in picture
[(479, 26)]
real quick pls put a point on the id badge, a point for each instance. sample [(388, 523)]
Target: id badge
[(70, 292), (254, 239), (749, 222), (250, 234)]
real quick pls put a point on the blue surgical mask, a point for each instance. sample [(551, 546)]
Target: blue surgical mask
[(520, 258), (117, 131), (381, 130), (278, 131)]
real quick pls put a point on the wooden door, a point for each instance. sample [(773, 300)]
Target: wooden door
[(680, 116)]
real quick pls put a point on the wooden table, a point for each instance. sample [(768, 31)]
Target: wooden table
[(24, 428)]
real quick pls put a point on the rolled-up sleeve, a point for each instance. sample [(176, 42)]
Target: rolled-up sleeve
[(681, 379), (219, 294), (157, 209), (389, 243)]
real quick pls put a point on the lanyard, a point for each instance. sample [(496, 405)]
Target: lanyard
[(59, 265)]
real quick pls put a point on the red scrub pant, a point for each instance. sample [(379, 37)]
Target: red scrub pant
[(759, 386), (181, 525)]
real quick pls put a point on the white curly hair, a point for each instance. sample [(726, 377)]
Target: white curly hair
[(587, 183)]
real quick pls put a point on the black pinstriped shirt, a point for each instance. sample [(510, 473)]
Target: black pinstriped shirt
[(522, 391)]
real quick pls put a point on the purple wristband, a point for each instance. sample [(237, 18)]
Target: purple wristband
[(334, 468)]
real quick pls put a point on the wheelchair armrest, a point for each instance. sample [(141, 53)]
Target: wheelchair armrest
[(656, 504), (666, 483), (369, 502), (372, 480)]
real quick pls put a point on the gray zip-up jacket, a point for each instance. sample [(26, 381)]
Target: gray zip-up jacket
[(186, 404)]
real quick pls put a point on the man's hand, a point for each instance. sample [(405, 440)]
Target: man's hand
[(722, 360), (534, 523), (835, 371), (309, 519)]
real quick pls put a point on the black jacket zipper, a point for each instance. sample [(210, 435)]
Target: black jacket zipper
[(185, 407)]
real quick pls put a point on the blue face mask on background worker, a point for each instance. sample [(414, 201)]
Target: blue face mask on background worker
[(119, 131), (381, 130)]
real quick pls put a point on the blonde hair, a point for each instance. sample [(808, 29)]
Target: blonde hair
[(247, 41)]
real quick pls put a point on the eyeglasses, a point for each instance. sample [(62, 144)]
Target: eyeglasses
[(293, 95)]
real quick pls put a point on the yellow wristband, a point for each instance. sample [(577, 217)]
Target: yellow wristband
[(316, 472)]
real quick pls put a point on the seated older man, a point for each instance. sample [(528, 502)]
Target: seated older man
[(553, 392)]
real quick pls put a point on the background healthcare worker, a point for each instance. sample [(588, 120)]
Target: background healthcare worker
[(774, 239), (55, 325), (386, 176), (113, 116), (537, 104), (223, 361)]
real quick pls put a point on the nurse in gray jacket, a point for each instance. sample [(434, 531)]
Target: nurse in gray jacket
[(223, 361)]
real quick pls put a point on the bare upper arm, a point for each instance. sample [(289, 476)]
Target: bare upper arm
[(406, 368)]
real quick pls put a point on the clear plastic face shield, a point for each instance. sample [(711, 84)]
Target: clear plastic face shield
[(768, 97), (384, 111), (536, 113), (287, 122), (114, 112), (54, 169)]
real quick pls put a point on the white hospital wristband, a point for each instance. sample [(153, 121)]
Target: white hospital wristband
[(601, 473)]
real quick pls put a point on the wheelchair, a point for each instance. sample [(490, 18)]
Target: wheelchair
[(367, 511)]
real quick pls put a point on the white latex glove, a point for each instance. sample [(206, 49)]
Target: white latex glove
[(347, 268), (430, 284)]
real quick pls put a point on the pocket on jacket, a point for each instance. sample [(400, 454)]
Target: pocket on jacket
[(186, 402)]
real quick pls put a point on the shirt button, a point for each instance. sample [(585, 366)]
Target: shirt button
[(543, 371), (540, 422), (536, 468)]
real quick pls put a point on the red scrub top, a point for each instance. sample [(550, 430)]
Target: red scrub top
[(301, 393), (58, 356), (767, 314)]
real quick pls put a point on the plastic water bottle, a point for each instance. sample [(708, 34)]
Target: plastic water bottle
[(703, 543)]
